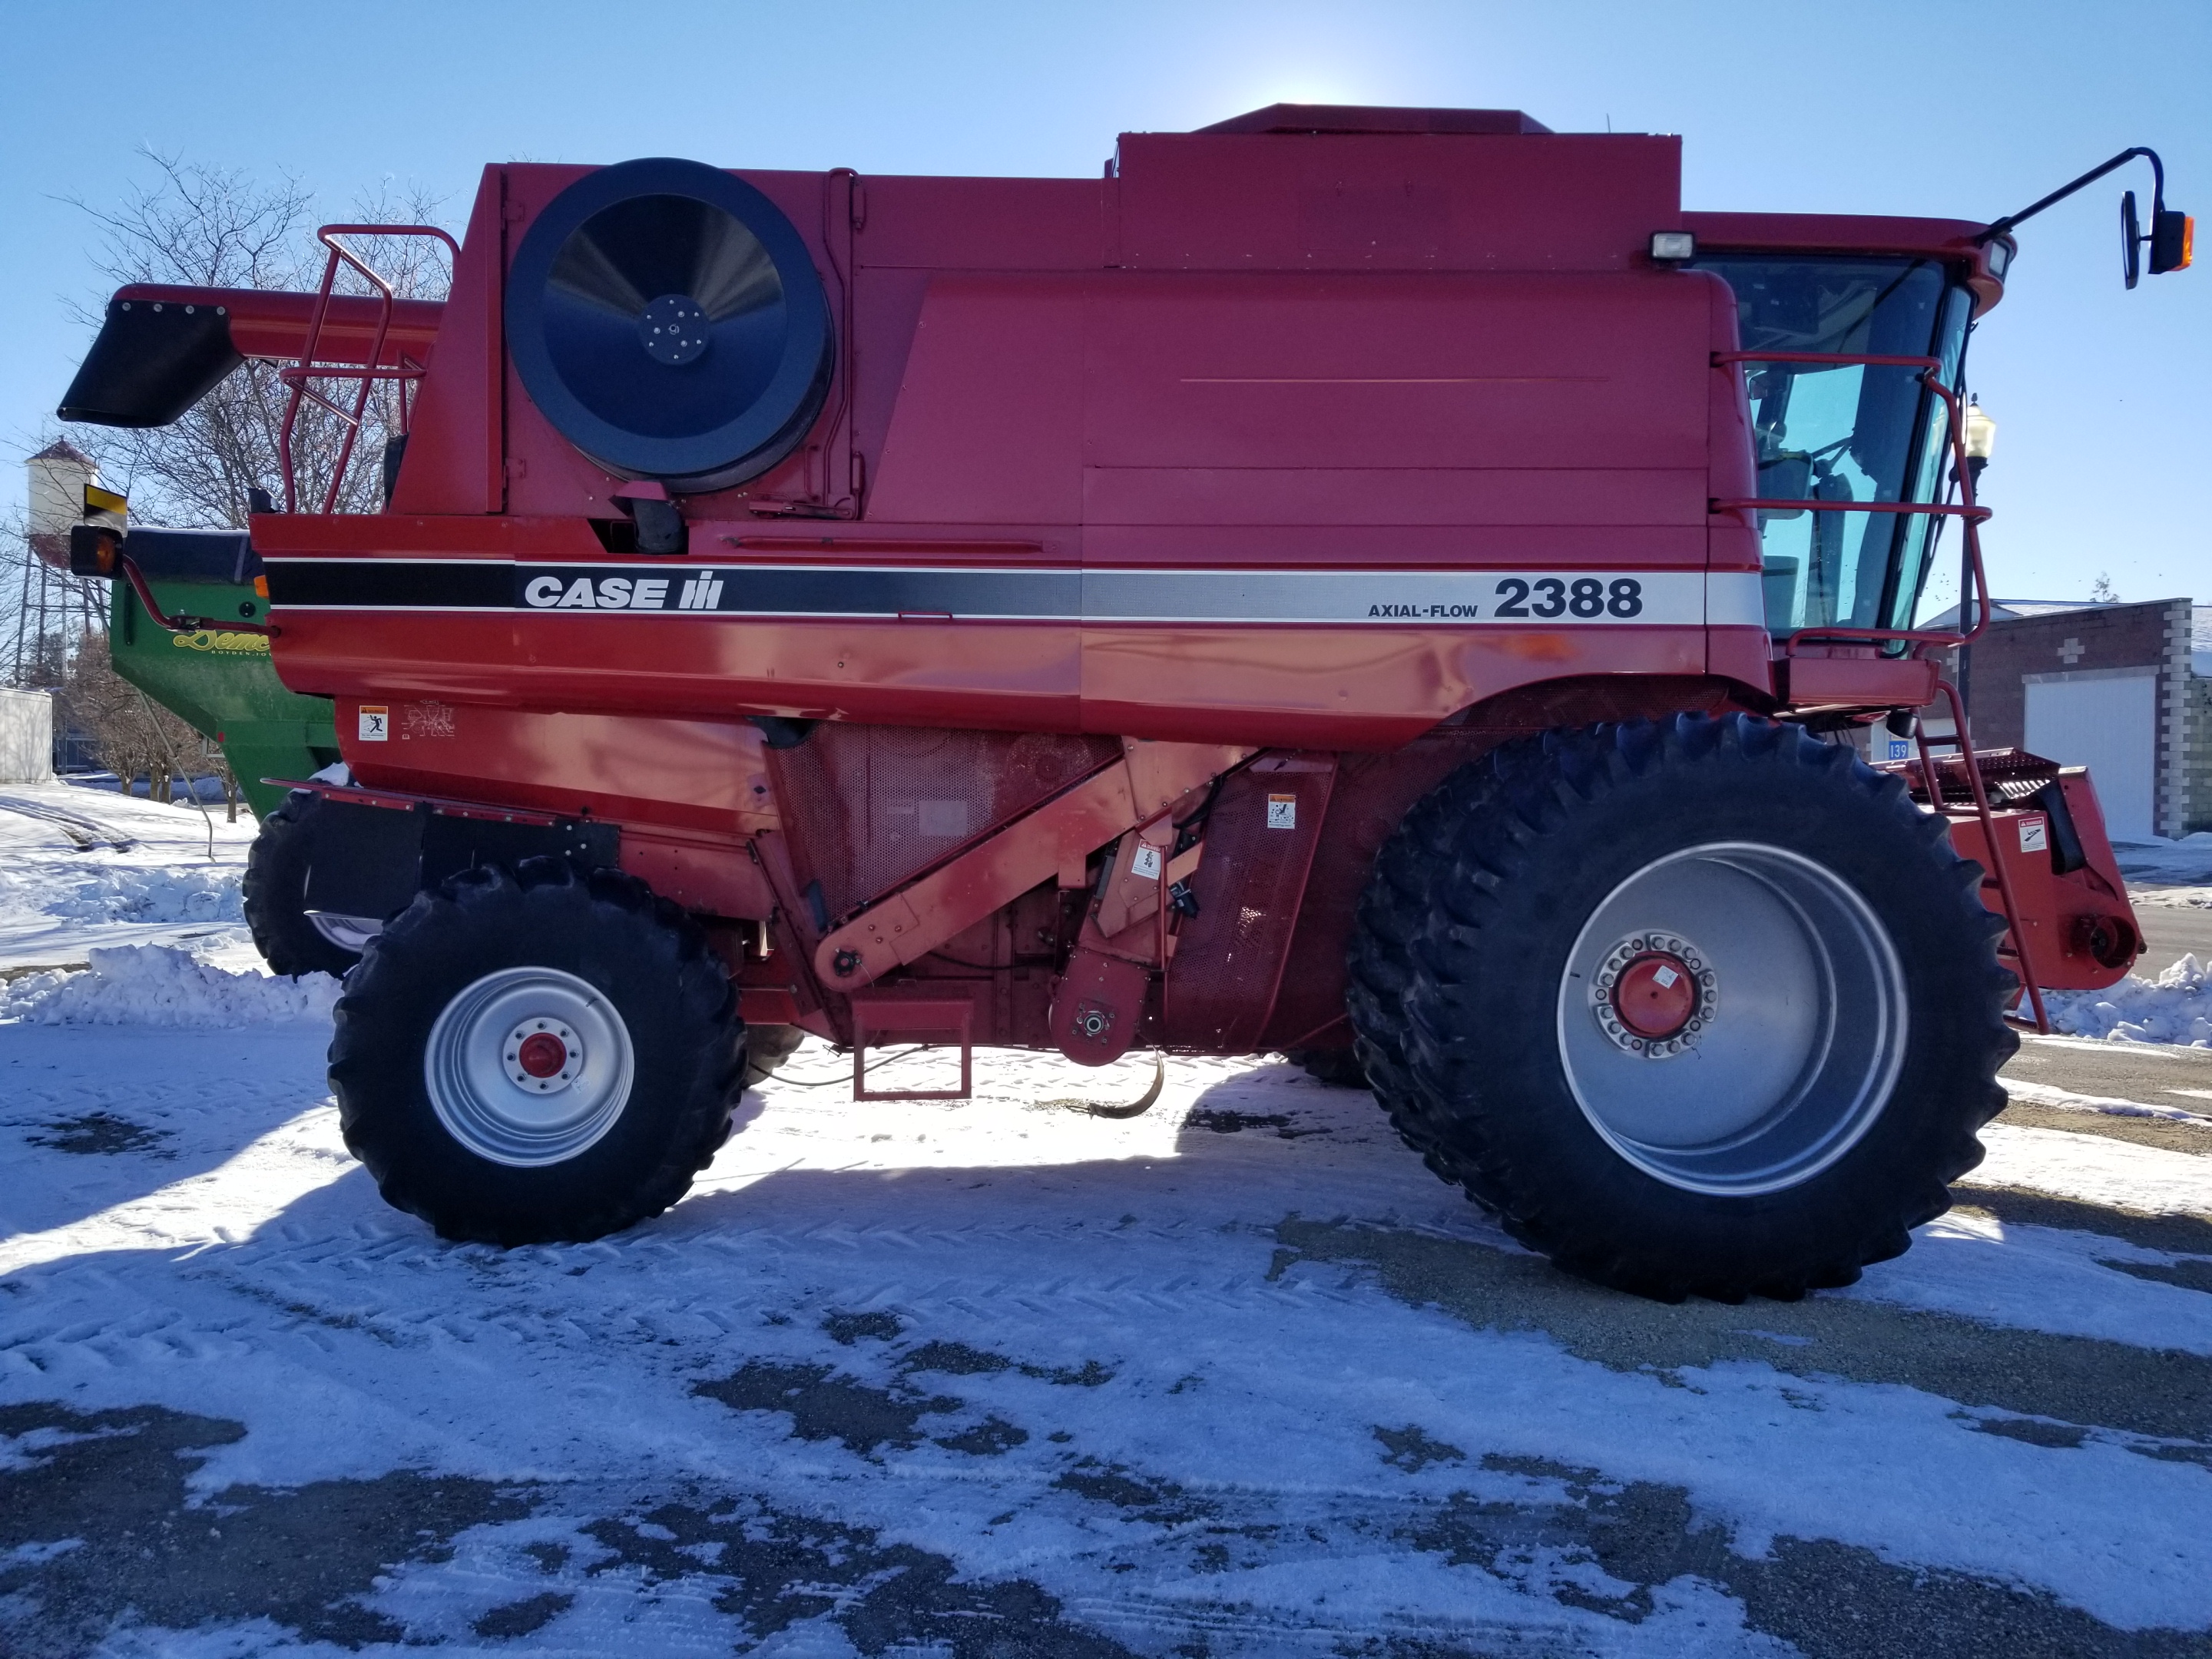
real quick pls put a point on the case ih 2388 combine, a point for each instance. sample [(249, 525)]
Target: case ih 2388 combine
[(1335, 583)]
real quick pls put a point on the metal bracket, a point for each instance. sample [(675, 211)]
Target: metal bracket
[(946, 1019), (906, 925)]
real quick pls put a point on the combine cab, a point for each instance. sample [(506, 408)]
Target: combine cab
[(1384, 584)]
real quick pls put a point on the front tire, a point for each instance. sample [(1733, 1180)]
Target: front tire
[(537, 1057), (1701, 1007)]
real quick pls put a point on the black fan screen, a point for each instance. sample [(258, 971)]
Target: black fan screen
[(668, 320)]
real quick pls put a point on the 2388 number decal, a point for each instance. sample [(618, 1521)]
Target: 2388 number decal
[(1586, 597)]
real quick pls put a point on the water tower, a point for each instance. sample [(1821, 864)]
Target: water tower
[(50, 604)]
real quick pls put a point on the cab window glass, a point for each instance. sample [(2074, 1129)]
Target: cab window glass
[(1840, 432)]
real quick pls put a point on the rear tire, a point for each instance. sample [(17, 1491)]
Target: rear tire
[(641, 1050), (1835, 1074), (1393, 909), (274, 894)]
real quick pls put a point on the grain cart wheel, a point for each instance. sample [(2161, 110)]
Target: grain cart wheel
[(274, 892), (1701, 1007), (541, 1056)]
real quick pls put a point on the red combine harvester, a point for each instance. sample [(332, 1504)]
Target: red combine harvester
[(1332, 585)]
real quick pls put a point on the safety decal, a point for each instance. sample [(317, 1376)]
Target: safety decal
[(1282, 812), (375, 722)]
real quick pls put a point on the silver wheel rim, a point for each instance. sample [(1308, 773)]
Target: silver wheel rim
[(498, 1109), (350, 933), (1798, 1051)]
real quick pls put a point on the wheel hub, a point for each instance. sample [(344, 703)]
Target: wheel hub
[(1815, 1033), (529, 1066), (542, 1056), (1654, 995)]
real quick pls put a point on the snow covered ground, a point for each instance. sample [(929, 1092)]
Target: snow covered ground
[(81, 868), (1000, 1377)]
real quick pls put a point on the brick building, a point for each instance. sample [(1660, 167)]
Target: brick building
[(2125, 689)]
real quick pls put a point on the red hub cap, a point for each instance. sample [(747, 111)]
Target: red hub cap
[(1655, 995), (542, 1054)]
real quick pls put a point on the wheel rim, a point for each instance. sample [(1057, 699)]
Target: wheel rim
[(529, 1066), (1785, 1054), (350, 933)]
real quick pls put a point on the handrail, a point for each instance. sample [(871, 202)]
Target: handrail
[(1787, 504), (131, 574), (1838, 359), (404, 369)]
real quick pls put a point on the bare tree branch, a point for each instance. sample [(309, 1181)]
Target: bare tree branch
[(195, 225), (213, 228)]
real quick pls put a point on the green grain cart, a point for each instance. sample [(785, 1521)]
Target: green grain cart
[(219, 680)]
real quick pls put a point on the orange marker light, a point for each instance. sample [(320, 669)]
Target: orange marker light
[(261, 585)]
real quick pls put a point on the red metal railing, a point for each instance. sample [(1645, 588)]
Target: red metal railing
[(128, 568), (1965, 509), (402, 368), (1971, 579)]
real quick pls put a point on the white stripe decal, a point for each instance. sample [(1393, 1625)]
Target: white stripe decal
[(1363, 596), (1734, 598)]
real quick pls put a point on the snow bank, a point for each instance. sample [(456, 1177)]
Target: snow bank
[(2170, 898), (2065, 1100), (2175, 1007), (122, 892), (163, 985)]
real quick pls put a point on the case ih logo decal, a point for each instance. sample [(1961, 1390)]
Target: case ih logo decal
[(1666, 598), (701, 592)]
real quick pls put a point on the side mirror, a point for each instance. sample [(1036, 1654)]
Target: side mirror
[(2172, 238)]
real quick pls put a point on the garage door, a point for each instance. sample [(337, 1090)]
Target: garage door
[(2111, 727)]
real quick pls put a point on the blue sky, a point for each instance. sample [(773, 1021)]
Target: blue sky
[(1872, 107)]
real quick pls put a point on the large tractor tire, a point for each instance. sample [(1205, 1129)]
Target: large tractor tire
[(1393, 909), (537, 1057), (274, 891), (1699, 1007)]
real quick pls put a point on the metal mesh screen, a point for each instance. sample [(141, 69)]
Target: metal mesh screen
[(872, 807)]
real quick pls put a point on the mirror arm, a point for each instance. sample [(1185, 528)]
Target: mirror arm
[(2158, 191)]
